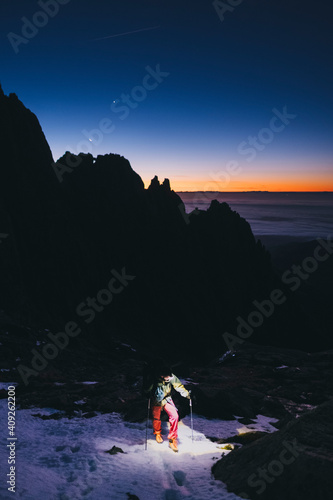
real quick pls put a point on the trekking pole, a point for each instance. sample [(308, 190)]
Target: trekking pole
[(147, 423), (191, 418)]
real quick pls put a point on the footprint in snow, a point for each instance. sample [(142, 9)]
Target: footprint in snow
[(171, 495), (71, 478), (66, 459), (60, 448), (49, 461), (180, 477), (75, 449), (87, 491), (92, 465)]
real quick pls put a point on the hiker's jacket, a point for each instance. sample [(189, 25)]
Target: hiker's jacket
[(161, 390)]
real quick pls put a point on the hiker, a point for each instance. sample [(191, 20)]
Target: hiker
[(159, 388)]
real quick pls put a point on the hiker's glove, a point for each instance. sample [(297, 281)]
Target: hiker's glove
[(189, 395)]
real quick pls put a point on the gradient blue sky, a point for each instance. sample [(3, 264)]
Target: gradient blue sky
[(225, 78)]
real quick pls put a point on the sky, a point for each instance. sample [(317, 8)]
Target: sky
[(215, 96)]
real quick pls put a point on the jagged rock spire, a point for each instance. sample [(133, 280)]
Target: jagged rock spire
[(154, 183), (166, 184)]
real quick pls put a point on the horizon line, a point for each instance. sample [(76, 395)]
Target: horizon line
[(252, 191)]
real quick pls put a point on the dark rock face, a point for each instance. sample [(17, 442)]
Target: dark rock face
[(194, 275), (250, 383), (26, 190), (293, 463), (270, 381)]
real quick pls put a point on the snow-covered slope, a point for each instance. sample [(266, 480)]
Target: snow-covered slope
[(65, 459)]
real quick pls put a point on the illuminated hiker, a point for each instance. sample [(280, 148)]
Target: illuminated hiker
[(159, 389)]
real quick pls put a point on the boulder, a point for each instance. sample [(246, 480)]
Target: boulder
[(294, 463)]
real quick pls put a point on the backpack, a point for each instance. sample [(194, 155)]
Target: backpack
[(159, 394)]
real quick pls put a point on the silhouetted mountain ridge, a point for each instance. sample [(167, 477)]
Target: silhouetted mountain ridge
[(194, 274)]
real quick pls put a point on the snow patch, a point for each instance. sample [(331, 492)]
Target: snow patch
[(66, 459), (226, 355), (86, 383), (129, 346)]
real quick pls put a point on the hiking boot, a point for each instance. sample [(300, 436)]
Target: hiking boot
[(173, 445), (159, 438)]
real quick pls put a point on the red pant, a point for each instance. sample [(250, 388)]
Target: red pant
[(173, 419)]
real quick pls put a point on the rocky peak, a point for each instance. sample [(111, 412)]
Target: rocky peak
[(154, 184)]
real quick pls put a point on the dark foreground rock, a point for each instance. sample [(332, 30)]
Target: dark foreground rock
[(294, 463), (265, 380), (245, 438), (270, 381), (114, 450)]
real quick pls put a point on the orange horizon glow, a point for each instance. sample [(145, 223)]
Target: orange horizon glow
[(278, 186)]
